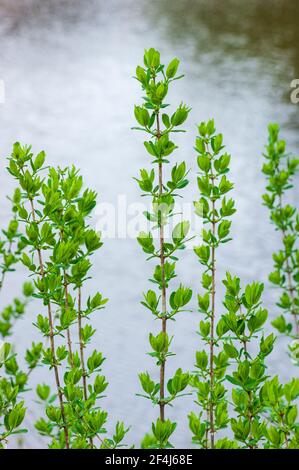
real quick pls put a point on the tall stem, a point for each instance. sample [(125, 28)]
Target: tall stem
[(249, 393), (52, 341), (243, 340), (84, 381), (212, 427), (163, 293), (250, 417), (66, 306)]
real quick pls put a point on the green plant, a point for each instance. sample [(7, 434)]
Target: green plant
[(15, 310), (10, 243), (215, 209), (262, 411), (280, 402), (59, 245), (13, 381), (12, 410), (11, 247), (151, 117), (265, 410), (244, 321), (239, 404), (280, 169)]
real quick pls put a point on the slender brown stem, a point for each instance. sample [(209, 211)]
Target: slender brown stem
[(81, 345), (249, 414), (52, 341), (66, 306), (250, 417), (244, 342), (207, 429), (213, 261), (282, 417), (84, 375), (163, 293)]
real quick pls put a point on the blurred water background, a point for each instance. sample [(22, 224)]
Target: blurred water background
[(68, 68)]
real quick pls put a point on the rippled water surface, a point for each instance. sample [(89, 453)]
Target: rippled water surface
[(68, 68)]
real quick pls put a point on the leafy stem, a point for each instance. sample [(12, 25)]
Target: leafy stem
[(155, 81), (51, 336)]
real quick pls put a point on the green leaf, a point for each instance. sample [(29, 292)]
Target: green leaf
[(172, 68)]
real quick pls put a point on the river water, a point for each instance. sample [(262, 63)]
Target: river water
[(67, 66)]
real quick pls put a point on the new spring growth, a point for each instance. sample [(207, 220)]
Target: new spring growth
[(238, 404), (55, 210), (215, 208), (11, 248), (280, 168), (261, 406), (264, 412), (13, 380), (153, 119), (243, 320)]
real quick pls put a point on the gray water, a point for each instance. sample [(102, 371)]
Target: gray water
[(68, 68)]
